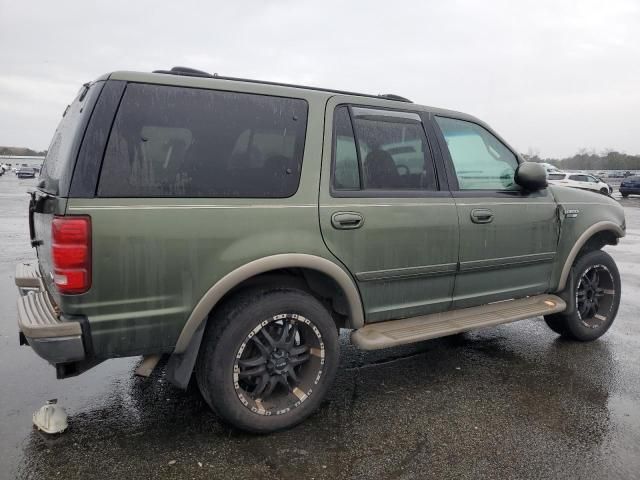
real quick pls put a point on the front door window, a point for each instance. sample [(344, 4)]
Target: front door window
[(480, 160)]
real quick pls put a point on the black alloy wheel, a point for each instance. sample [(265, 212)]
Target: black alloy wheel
[(278, 364), (595, 295)]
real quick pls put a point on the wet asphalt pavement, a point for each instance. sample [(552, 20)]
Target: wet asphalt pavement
[(513, 401)]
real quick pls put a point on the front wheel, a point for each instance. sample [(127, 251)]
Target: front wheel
[(596, 292), (268, 358), (604, 191)]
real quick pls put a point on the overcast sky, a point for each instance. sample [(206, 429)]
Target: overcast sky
[(550, 76)]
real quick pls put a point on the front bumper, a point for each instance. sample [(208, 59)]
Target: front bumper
[(41, 326), (629, 190)]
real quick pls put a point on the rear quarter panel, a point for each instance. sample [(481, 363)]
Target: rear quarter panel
[(154, 258)]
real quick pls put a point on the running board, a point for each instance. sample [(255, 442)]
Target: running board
[(392, 333)]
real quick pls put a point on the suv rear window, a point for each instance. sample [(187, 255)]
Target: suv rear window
[(63, 150), (186, 142)]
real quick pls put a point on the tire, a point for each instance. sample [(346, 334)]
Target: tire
[(267, 359), (625, 195), (596, 290), (604, 191)]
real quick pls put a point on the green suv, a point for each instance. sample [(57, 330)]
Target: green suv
[(237, 225)]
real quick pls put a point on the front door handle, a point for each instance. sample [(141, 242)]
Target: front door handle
[(347, 220), (481, 215)]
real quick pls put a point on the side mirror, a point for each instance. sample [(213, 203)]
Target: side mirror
[(531, 176)]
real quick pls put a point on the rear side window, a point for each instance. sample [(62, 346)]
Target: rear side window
[(185, 142), (556, 176), (579, 178)]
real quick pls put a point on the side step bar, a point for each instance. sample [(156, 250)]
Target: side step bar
[(392, 333)]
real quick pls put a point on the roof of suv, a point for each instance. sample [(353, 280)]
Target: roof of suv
[(188, 77), (182, 76)]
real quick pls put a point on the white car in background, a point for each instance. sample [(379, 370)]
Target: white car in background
[(579, 180)]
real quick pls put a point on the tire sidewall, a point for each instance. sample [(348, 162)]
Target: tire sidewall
[(574, 324), (219, 365)]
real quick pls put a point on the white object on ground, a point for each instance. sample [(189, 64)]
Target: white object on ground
[(51, 418)]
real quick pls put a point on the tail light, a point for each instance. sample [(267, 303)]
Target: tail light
[(71, 252)]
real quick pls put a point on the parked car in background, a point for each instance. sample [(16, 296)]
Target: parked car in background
[(630, 186), (580, 180), (26, 172)]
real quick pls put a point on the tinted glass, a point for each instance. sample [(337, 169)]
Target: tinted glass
[(345, 170), (480, 160), (61, 155), (171, 141), (393, 150), (578, 178), (555, 176)]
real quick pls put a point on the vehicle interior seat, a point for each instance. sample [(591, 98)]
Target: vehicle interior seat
[(381, 171)]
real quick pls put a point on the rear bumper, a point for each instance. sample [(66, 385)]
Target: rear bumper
[(41, 326)]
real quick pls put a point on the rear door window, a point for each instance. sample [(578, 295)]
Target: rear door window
[(346, 175), (186, 142), (381, 150)]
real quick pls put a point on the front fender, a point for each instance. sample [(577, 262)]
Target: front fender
[(582, 215)]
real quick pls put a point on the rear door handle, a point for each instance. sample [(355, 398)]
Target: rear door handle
[(347, 220), (481, 215)]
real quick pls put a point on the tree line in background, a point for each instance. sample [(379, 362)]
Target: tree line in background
[(590, 160), (21, 151)]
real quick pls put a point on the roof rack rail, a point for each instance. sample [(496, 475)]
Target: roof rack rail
[(393, 96), (186, 71), (192, 72)]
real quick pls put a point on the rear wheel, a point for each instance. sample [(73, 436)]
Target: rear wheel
[(604, 191), (625, 195), (596, 292), (268, 358)]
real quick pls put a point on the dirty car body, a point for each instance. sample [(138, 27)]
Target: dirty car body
[(167, 197)]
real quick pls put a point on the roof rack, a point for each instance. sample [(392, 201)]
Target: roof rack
[(192, 72), (186, 71), (393, 96)]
